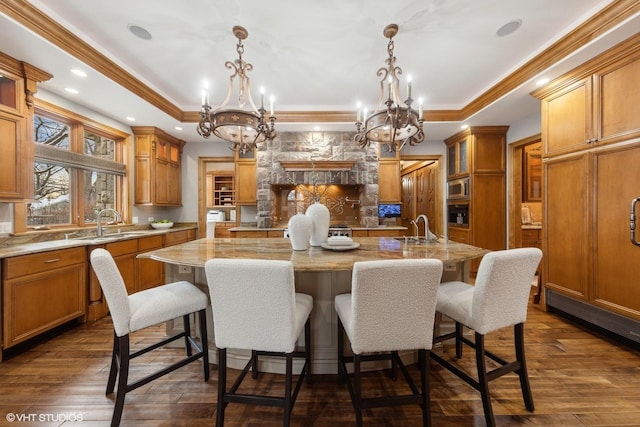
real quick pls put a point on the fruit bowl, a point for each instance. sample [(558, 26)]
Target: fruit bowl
[(161, 225)]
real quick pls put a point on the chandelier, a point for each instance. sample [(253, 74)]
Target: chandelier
[(398, 123), (242, 128)]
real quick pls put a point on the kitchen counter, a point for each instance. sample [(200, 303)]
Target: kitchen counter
[(318, 272), (10, 250), (355, 228), (197, 252)]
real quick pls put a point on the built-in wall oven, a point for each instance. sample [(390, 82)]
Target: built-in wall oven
[(458, 214)]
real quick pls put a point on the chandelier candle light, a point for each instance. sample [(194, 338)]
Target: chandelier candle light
[(242, 129), (398, 123)]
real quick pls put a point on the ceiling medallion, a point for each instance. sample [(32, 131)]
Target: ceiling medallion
[(242, 129), (398, 123)]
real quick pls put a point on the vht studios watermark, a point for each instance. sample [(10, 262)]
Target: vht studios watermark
[(44, 417)]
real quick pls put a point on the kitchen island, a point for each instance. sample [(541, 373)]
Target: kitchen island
[(319, 272)]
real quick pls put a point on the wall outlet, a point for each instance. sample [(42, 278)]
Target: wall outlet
[(184, 269), (5, 227), (134, 220), (450, 266), (150, 219)]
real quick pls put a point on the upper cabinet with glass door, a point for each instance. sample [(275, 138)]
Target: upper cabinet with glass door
[(457, 158)]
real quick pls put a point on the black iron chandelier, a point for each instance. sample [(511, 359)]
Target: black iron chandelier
[(399, 123), (242, 128)]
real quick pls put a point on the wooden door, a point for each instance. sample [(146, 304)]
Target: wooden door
[(11, 135), (617, 260), (566, 240), (408, 199)]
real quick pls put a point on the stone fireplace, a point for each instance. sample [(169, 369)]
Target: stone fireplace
[(329, 165)]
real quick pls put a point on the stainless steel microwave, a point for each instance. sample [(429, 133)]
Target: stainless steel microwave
[(458, 189)]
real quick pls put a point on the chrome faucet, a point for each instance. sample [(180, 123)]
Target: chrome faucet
[(417, 230), (116, 214), (426, 226)]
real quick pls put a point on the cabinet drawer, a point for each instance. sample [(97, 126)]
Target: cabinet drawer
[(459, 235), (122, 248), (384, 233), (36, 263), (531, 237), (149, 243), (176, 237)]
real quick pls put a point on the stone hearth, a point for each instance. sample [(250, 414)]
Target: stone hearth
[(320, 146)]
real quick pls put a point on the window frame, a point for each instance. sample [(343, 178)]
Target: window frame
[(79, 126)]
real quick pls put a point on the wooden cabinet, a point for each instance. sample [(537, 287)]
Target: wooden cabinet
[(222, 229), (457, 158), (616, 272), (597, 107), (150, 272), (485, 161), (18, 84), (220, 189), (158, 171), (42, 291), (590, 176), (389, 183), (246, 183)]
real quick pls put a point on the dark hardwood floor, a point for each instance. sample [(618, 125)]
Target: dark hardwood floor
[(578, 378)]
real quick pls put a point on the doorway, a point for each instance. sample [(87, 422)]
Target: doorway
[(421, 178)]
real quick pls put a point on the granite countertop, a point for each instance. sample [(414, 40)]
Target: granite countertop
[(197, 252), (10, 250), (281, 228)]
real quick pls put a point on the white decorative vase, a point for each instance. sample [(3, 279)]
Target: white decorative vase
[(300, 229), (321, 217)]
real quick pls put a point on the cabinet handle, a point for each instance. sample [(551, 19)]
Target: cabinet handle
[(632, 221), (49, 261)]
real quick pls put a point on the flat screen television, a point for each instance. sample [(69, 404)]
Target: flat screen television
[(388, 210)]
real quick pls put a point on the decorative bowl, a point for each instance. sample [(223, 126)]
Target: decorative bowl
[(161, 225)]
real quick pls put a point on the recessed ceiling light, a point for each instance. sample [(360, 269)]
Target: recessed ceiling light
[(131, 119), (542, 81), (139, 32), (71, 90), (316, 128), (79, 72), (464, 126), (178, 128), (509, 28)]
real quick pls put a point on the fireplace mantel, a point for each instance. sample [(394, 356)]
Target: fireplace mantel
[(317, 165)]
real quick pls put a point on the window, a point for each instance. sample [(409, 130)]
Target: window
[(78, 170)]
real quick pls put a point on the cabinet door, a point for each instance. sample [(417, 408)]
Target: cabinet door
[(12, 160), (150, 272), (246, 183), (566, 239), (617, 88), (617, 260), (38, 302), (174, 190), (389, 181), (567, 119)]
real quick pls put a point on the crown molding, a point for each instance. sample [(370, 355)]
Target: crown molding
[(38, 22)]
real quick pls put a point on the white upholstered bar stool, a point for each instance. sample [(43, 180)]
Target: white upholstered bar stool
[(140, 310), (498, 299), (255, 307), (391, 308)]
